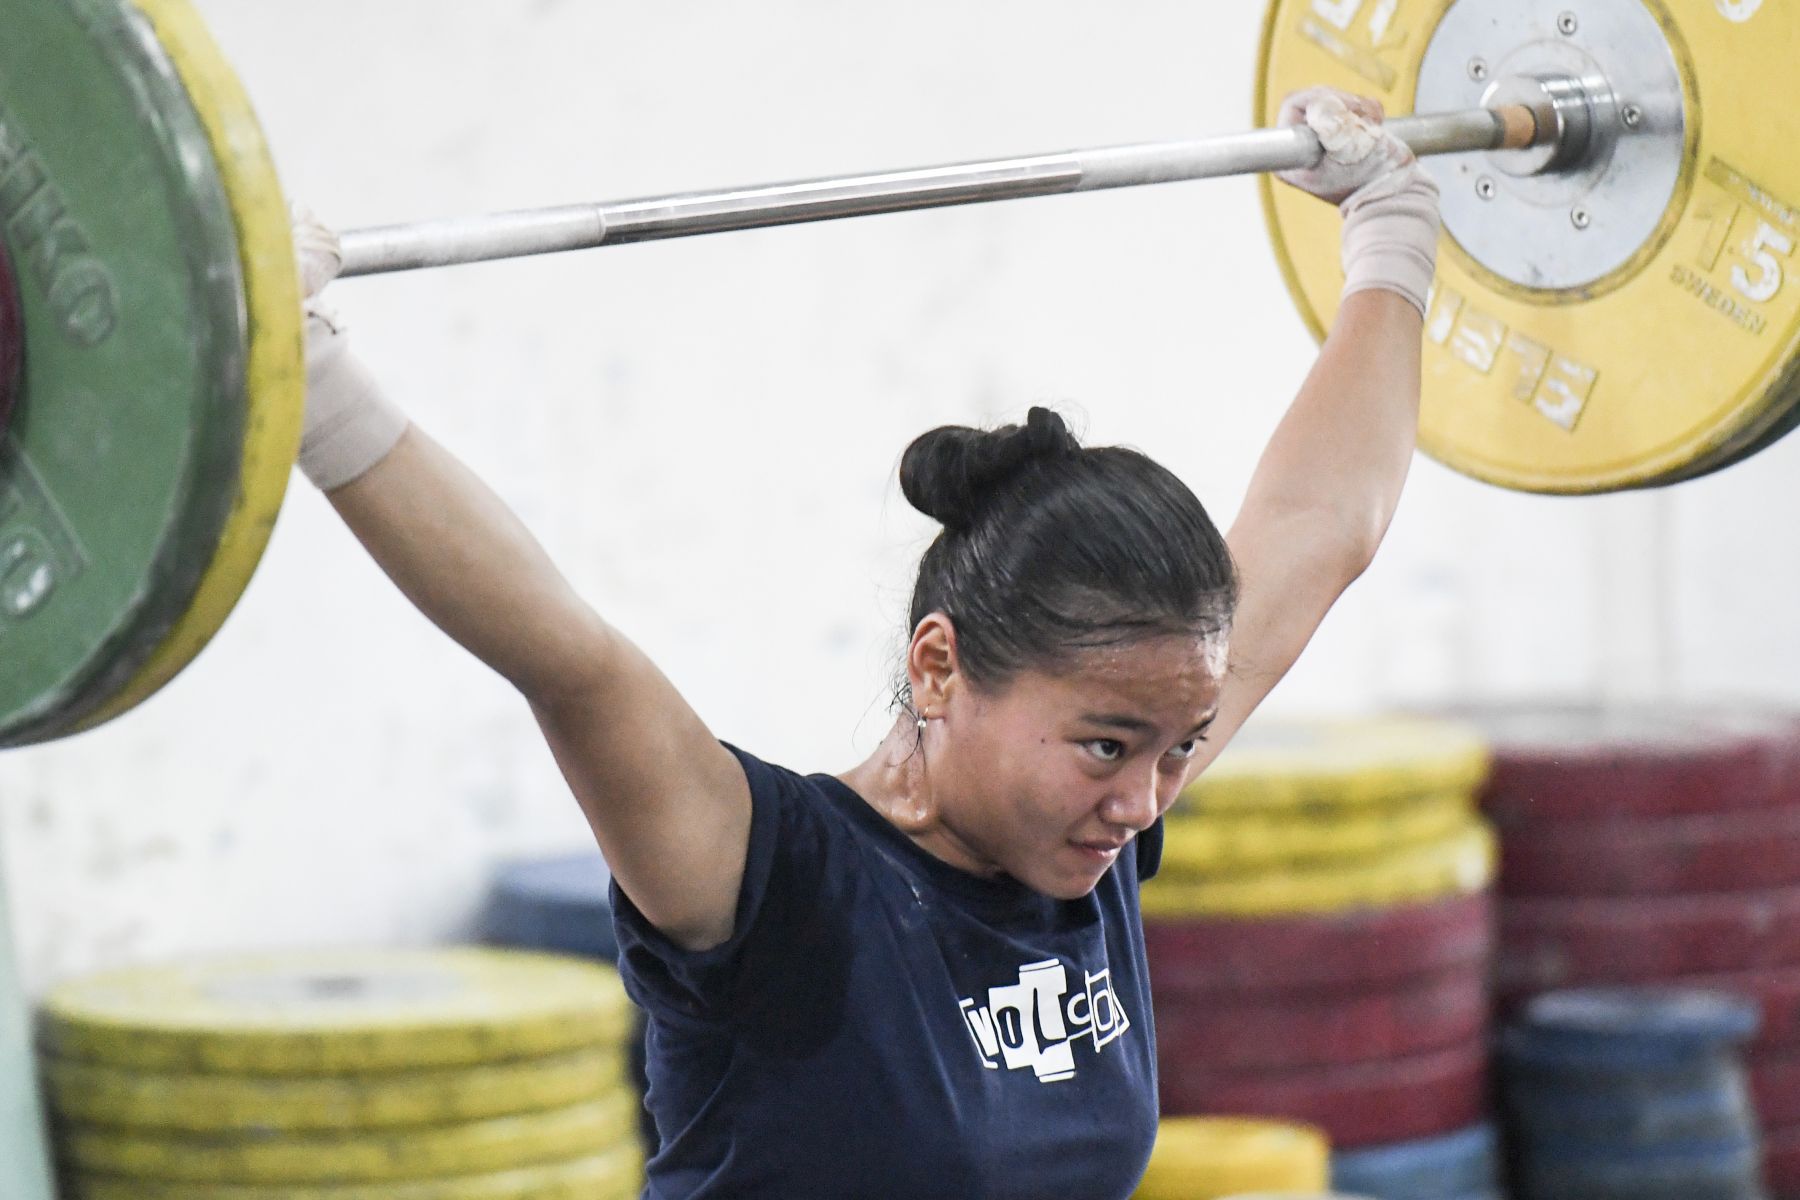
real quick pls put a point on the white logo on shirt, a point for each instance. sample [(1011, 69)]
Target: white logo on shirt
[(1029, 1024)]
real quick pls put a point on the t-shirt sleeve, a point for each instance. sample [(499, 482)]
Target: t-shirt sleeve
[(794, 867), (1149, 851)]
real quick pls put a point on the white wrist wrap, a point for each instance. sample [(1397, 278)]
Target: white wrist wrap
[(350, 425), (1391, 235)]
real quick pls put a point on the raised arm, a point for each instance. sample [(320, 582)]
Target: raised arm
[(668, 804), (1328, 483)]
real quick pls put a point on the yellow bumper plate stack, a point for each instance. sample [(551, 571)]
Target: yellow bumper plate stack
[(395, 1155), (613, 1175), (1223, 1156), (1317, 817), (421, 1075), (1328, 766), (1458, 864), (118, 1097), (353, 1012)]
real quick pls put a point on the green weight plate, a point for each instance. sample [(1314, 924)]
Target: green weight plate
[(121, 465), (359, 1156), (12, 339), (354, 1012), (274, 369), (615, 1175)]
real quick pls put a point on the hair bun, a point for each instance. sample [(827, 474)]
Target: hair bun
[(950, 473)]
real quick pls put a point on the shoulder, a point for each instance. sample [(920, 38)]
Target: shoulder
[(799, 862)]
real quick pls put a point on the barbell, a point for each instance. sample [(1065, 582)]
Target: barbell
[(1610, 310)]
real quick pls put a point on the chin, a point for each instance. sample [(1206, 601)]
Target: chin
[(1065, 885)]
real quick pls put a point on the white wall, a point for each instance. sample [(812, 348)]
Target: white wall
[(704, 433)]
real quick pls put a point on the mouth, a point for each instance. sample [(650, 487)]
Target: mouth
[(1100, 853)]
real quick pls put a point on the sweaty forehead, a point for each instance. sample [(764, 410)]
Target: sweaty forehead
[(1155, 674)]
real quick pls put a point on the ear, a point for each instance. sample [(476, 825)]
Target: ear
[(931, 665)]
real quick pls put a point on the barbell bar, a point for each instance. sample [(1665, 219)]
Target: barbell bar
[(455, 240), (1612, 307)]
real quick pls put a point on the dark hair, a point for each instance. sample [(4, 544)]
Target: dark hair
[(1049, 548)]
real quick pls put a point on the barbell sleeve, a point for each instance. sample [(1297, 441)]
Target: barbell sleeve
[(447, 241)]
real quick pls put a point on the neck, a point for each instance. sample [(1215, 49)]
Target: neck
[(896, 782)]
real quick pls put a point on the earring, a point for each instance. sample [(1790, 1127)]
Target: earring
[(921, 724)]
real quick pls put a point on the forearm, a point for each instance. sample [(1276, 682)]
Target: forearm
[(461, 556), (1342, 451)]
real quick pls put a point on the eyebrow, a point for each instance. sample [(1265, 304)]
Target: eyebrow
[(1132, 724)]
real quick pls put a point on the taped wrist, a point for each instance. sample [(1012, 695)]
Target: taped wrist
[(350, 425), (1391, 235)]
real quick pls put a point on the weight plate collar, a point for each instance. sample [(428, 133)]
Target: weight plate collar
[(1582, 226), (1681, 360)]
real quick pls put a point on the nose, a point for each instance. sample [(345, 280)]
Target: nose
[(1135, 802)]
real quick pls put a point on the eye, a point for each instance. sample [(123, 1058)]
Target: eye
[(1107, 749), (1187, 749)]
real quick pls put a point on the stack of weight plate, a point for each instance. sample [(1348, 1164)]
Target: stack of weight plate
[(562, 905), (1319, 936), (1206, 1158), (1464, 1165), (451, 1075), (1631, 1094), (1657, 847)]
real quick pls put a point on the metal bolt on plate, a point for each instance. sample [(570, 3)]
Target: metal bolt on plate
[(1632, 115), (1484, 187), (1478, 69), (1581, 218), (1566, 24)]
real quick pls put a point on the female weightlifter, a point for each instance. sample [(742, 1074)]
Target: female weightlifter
[(925, 977)]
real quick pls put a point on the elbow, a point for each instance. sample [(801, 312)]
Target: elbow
[(571, 675), (1362, 537), (1344, 541)]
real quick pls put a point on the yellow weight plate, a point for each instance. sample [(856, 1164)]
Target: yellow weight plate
[(1205, 1158), (1232, 842), (615, 1175), (349, 1012), (1331, 765), (276, 370), (1457, 865), (100, 1095), (1671, 361), (374, 1156)]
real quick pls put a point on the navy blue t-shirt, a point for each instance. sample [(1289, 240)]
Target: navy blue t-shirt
[(883, 1024)]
